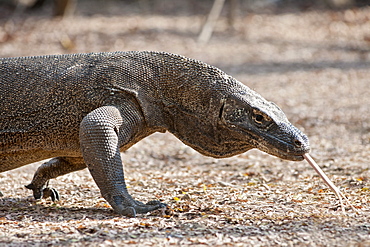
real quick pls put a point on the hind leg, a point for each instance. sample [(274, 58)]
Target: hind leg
[(52, 169)]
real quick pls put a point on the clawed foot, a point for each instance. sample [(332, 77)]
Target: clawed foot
[(44, 192), (136, 207)]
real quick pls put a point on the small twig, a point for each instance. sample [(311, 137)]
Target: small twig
[(207, 29), (334, 188)]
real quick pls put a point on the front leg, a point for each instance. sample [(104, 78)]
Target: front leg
[(102, 132)]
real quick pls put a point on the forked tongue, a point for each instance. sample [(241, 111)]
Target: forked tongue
[(334, 188)]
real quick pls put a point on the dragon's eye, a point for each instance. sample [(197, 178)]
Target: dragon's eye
[(258, 118)]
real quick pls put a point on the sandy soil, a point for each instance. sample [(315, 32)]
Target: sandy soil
[(315, 65)]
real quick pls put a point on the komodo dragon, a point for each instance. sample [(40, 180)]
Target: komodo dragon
[(82, 110)]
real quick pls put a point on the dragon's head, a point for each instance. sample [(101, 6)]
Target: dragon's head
[(225, 118), (262, 124), (218, 116)]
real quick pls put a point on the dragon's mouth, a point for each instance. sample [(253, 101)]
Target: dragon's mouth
[(296, 156), (285, 150), (290, 156), (284, 141)]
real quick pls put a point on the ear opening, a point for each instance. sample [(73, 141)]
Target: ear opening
[(223, 101), (233, 111)]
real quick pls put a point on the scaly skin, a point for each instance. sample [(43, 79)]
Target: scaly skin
[(82, 110)]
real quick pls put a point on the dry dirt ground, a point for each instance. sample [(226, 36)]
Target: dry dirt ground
[(315, 65)]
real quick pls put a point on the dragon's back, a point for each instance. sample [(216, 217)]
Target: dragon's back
[(44, 96)]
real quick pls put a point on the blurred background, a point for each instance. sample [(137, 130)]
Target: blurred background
[(35, 27)]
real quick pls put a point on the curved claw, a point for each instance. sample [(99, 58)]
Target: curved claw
[(136, 207), (126, 211), (155, 202), (44, 193), (50, 192)]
